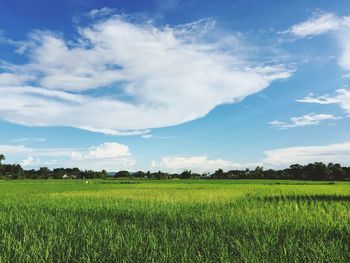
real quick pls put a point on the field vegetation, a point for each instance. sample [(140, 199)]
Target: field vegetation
[(174, 221)]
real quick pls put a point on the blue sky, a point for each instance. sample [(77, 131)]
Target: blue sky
[(174, 85)]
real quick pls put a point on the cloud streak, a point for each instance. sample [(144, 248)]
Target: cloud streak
[(342, 99), (319, 24), (195, 163), (335, 153), (306, 120)]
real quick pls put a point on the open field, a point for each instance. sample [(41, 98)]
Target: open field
[(174, 221)]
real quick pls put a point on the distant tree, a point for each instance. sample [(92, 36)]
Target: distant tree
[(43, 173), (139, 174), (270, 174), (186, 174), (12, 171), (30, 174), (58, 173), (2, 158), (296, 171), (219, 174), (104, 174), (346, 172), (121, 174), (316, 171), (195, 176), (336, 171), (160, 175), (258, 172)]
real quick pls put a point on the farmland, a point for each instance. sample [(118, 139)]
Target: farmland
[(174, 221)]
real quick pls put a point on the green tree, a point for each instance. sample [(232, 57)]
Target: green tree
[(258, 173), (104, 174), (296, 171), (43, 173), (336, 171), (186, 174), (122, 174), (2, 158), (219, 174)]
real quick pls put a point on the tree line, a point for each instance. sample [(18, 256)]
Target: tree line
[(311, 171), (15, 171)]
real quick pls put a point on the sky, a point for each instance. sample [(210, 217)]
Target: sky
[(174, 85)]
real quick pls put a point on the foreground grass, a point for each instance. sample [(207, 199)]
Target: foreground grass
[(174, 221)]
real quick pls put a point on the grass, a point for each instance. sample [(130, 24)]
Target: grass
[(174, 221)]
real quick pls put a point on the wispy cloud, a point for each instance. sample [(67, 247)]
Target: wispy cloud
[(283, 157), (305, 120), (318, 24), (151, 136), (24, 139), (322, 23), (124, 77), (11, 79), (342, 98), (200, 163)]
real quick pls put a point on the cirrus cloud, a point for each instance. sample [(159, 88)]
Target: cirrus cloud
[(305, 120), (318, 24)]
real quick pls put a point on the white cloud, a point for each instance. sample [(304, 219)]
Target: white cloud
[(342, 98), (10, 79), (306, 120), (21, 149), (105, 11), (120, 76), (24, 139), (322, 23), (319, 24), (336, 153), (276, 158), (344, 40), (195, 163), (110, 155), (108, 150), (30, 161), (117, 132), (14, 149), (151, 136)]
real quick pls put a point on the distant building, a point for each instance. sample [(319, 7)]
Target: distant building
[(65, 176)]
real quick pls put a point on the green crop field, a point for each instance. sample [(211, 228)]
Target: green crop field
[(174, 221)]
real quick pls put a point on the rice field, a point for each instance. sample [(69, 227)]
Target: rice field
[(174, 221)]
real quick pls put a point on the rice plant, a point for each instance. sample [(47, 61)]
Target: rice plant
[(174, 221)]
